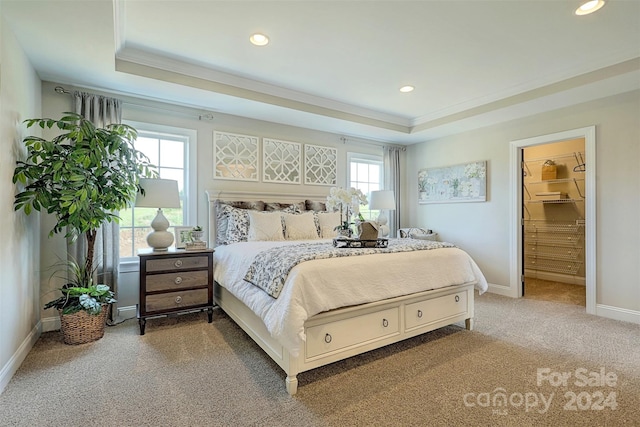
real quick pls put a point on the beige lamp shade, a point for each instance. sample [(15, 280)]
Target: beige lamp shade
[(159, 193)]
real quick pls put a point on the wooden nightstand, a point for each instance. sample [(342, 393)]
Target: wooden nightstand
[(175, 281)]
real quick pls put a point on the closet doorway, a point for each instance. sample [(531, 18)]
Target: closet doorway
[(553, 219), (557, 213)]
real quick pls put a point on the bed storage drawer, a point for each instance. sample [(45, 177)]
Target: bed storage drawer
[(340, 334), (423, 313), (176, 281), (177, 300)]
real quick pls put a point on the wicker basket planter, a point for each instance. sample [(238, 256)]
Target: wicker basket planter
[(82, 327)]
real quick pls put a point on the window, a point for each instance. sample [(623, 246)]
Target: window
[(365, 174), (167, 149)]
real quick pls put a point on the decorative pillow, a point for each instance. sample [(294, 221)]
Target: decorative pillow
[(237, 225), (292, 209), (312, 205), (265, 226), (300, 226), (328, 221), (414, 231), (222, 216), (275, 206)]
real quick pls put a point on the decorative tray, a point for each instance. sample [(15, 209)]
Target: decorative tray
[(346, 242)]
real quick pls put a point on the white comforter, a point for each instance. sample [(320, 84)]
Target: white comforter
[(325, 284)]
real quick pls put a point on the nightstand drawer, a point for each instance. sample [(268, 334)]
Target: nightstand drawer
[(177, 300), (184, 263), (177, 281)]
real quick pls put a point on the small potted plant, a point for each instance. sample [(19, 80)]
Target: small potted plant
[(83, 305), (197, 233)]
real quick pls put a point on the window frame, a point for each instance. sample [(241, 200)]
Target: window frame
[(189, 208), (354, 157)]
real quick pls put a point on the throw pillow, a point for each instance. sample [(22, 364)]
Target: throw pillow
[(265, 226), (237, 225), (327, 222), (300, 226)]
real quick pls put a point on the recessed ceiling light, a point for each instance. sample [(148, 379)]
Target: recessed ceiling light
[(259, 39), (589, 7), (406, 89)]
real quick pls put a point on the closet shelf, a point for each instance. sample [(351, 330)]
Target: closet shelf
[(555, 201)]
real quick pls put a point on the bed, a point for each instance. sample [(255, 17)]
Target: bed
[(333, 307)]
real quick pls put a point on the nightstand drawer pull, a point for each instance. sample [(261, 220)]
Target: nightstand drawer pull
[(178, 263), (385, 322), (178, 280), (419, 314), (457, 298), (178, 299), (327, 338)]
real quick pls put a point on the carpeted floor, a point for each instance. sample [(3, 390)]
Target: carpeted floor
[(186, 372), (546, 290)]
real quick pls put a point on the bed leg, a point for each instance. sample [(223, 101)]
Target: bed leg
[(468, 324), (292, 384)]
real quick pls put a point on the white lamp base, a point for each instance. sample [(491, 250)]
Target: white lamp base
[(160, 239), (384, 228)]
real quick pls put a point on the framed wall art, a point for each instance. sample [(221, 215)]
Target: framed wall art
[(235, 156), (459, 183), (320, 165), (281, 161)]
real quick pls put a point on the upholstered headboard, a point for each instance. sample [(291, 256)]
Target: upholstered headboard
[(245, 196)]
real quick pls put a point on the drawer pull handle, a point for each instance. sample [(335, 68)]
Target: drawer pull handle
[(385, 322), (327, 338), (178, 263), (178, 300), (420, 314), (457, 298), (178, 280)]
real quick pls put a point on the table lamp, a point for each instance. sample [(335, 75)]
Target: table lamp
[(159, 193), (382, 200)]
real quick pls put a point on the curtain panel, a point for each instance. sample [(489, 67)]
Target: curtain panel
[(101, 111), (392, 182)]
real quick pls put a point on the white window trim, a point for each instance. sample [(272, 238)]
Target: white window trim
[(190, 210), (369, 158)]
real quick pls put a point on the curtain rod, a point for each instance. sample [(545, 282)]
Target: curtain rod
[(205, 116), (344, 140)]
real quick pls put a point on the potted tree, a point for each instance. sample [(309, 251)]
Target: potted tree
[(82, 177)]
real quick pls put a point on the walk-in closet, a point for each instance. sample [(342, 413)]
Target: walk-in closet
[(554, 221)]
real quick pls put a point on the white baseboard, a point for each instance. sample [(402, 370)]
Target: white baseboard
[(51, 324), (127, 312), (18, 357), (617, 313), (500, 290)]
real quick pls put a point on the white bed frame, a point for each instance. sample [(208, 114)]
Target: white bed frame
[(349, 331)]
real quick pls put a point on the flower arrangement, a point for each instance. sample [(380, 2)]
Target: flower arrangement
[(348, 201)]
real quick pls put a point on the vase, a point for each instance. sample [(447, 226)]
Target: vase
[(344, 232), (197, 235)]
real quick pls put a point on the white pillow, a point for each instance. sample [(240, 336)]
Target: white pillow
[(327, 222), (264, 226), (300, 226)]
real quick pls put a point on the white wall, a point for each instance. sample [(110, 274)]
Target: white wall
[(144, 111), (483, 228), (20, 248)]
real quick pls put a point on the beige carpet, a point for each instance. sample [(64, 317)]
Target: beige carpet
[(546, 290), (186, 372)]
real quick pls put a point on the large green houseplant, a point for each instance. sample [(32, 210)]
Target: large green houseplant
[(83, 177)]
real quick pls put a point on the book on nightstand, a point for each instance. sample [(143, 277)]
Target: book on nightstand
[(195, 246)]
